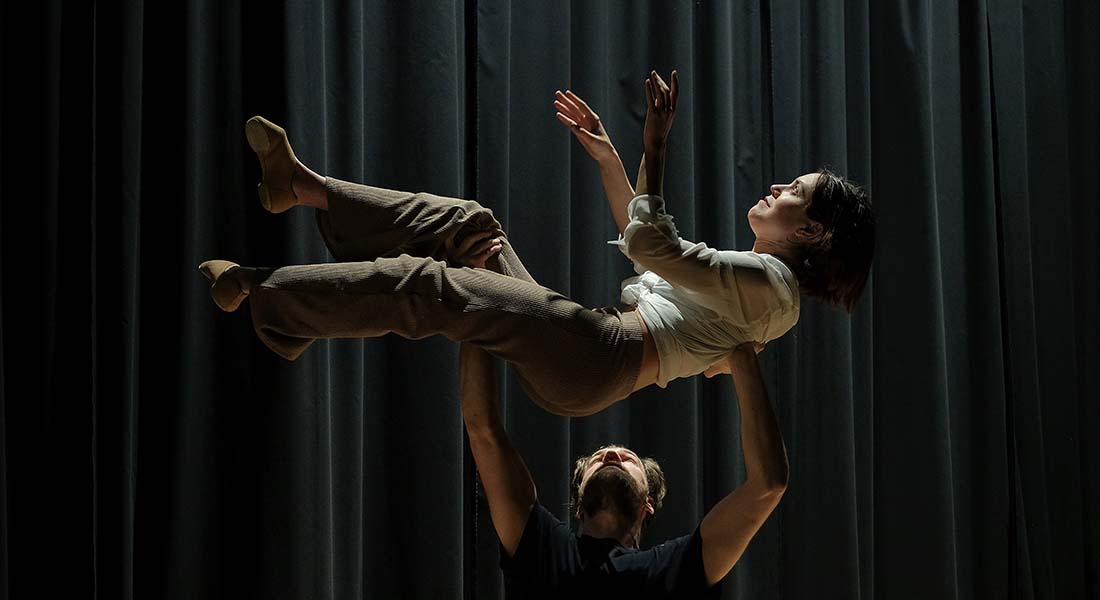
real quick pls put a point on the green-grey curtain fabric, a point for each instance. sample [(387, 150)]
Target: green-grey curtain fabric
[(941, 438)]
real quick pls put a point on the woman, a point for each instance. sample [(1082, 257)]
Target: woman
[(815, 234), (397, 273)]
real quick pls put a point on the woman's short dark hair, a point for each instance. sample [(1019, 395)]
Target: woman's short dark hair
[(653, 474), (837, 262)]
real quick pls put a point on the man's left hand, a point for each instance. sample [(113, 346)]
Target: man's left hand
[(722, 365)]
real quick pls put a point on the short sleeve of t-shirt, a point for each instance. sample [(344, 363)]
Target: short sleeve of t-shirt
[(676, 569), (546, 555)]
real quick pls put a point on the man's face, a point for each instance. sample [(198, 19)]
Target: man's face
[(615, 480)]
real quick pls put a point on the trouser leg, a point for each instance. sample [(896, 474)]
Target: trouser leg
[(570, 359), (363, 223)]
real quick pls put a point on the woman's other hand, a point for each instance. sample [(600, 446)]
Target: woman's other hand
[(477, 248), (585, 124), (661, 100)]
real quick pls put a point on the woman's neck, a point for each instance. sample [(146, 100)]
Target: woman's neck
[(781, 250)]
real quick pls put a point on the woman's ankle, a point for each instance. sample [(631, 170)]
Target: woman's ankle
[(309, 188), (246, 277)]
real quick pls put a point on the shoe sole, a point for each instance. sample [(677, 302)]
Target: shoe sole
[(265, 199), (258, 131)]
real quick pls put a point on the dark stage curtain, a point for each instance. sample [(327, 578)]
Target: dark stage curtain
[(941, 439)]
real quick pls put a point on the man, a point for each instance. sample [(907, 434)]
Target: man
[(615, 491)]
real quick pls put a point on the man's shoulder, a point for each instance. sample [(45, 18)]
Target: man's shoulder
[(542, 515), (545, 537), (546, 558), (658, 555), (674, 568)]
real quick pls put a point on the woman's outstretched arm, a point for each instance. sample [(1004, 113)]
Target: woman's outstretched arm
[(661, 100), (617, 188), (585, 124)]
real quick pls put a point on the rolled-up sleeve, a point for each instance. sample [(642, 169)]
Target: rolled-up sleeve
[(650, 240)]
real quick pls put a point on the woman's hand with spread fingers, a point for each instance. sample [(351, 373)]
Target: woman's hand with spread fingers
[(585, 124)]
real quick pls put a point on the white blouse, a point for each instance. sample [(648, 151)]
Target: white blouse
[(697, 302)]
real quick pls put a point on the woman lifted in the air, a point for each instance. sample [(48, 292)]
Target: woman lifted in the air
[(417, 265)]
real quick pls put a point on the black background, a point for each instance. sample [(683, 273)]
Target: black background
[(940, 439)]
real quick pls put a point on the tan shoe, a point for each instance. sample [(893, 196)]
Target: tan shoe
[(270, 144), (226, 290)]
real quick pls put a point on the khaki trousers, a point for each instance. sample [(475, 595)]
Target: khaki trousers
[(393, 277)]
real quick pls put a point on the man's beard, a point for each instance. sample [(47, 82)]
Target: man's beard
[(613, 490)]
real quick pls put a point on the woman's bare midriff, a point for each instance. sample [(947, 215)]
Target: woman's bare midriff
[(647, 374)]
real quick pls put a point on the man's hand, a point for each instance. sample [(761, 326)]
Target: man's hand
[(477, 248), (661, 102), (585, 125), (724, 365)]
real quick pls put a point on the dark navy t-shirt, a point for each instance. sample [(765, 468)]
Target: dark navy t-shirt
[(552, 562)]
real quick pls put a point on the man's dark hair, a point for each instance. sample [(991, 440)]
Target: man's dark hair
[(836, 264), (653, 474)]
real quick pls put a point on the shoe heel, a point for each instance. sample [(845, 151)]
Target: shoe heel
[(276, 202), (265, 197)]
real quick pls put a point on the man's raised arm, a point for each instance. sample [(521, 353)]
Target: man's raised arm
[(731, 524), (508, 485)]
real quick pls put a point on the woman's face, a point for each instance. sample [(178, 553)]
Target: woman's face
[(781, 215)]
